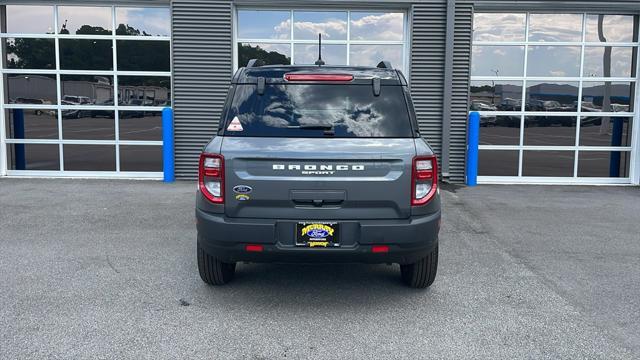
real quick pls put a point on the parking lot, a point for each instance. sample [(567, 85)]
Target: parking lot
[(107, 269)]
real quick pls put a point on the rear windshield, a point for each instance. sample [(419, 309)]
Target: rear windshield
[(318, 110)]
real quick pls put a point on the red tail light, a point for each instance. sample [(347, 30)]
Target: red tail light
[(424, 179), (254, 248), (211, 177), (380, 249), (318, 77)]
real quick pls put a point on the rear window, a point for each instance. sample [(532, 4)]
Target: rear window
[(318, 110)]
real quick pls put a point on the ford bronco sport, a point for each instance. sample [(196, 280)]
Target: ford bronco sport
[(318, 164)]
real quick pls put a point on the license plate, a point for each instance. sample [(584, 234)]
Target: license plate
[(317, 234)]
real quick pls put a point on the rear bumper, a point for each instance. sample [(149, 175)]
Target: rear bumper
[(408, 239)]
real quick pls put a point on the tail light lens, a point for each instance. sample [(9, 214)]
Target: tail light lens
[(211, 177), (424, 179)]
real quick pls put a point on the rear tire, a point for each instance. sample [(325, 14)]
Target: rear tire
[(214, 271), (422, 273)]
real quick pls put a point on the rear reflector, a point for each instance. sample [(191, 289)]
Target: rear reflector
[(380, 249), (318, 77), (254, 248)]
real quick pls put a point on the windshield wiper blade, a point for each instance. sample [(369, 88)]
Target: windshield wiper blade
[(312, 127)]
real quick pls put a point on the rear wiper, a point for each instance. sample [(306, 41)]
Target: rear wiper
[(312, 127)]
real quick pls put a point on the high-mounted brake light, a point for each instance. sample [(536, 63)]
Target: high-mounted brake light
[(424, 179), (211, 177), (318, 77)]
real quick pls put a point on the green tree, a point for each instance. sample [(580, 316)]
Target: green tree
[(247, 52), (26, 53)]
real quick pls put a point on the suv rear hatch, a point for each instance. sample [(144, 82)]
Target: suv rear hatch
[(316, 150)]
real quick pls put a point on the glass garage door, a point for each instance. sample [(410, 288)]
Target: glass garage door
[(556, 94), (82, 90), (349, 37)]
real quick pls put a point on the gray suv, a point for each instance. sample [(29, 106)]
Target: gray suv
[(318, 164)]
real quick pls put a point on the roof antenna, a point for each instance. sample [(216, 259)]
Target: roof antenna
[(319, 62)]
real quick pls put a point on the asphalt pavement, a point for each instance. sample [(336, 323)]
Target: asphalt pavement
[(107, 269)]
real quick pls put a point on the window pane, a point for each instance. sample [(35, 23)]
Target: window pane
[(496, 95), (498, 27), (555, 27), (271, 54), (605, 131), (615, 28), (140, 158), (566, 61), (264, 24), (371, 55), (377, 26), (550, 130), (308, 24), (31, 89), (548, 163), (307, 54), (607, 96), (81, 54), (603, 164), (498, 163), (32, 124), (140, 125), (33, 157), (143, 21), (29, 19), (608, 61), (144, 91), (134, 55), (82, 20), (500, 130), (498, 61), (87, 90), (551, 96), (89, 157), (88, 125), (23, 53)]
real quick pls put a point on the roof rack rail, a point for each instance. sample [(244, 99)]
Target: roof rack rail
[(255, 63), (384, 65)]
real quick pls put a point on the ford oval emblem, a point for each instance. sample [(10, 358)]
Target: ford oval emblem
[(242, 189), (317, 233)]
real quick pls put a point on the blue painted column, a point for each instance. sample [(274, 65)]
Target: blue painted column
[(616, 140), (472, 148), (168, 158), (18, 133)]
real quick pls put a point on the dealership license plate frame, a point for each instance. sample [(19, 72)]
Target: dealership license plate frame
[(331, 240)]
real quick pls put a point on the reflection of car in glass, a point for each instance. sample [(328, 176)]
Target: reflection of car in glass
[(509, 104), (77, 100), (30, 101), (587, 106), (132, 113), (477, 105), (103, 113), (619, 108), (318, 164), (70, 113)]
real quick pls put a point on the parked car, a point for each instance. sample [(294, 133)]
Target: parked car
[(318, 164)]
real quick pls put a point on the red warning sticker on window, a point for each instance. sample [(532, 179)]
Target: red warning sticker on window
[(235, 125)]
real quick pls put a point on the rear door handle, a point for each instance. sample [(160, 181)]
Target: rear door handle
[(318, 197)]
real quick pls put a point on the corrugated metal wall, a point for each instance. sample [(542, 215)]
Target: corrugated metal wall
[(428, 47), (460, 88), (202, 68), (428, 41)]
